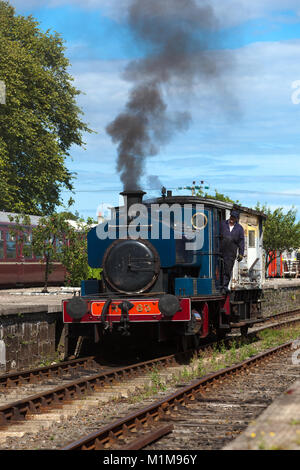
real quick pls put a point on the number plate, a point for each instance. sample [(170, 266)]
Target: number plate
[(143, 307)]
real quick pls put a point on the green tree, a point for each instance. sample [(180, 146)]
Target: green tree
[(70, 216), (281, 232), (48, 240), (74, 256), (40, 120)]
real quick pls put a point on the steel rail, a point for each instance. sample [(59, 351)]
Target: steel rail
[(149, 438), (21, 409), (111, 435), (276, 326), (264, 319), (13, 379)]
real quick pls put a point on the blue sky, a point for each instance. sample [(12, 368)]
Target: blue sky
[(249, 150)]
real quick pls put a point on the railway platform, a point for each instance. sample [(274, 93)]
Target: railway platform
[(31, 328), (281, 283), (32, 300), (277, 428)]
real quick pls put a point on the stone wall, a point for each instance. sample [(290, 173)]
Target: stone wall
[(281, 299), (29, 339)]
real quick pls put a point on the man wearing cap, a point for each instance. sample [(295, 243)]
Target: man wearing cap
[(232, 240)]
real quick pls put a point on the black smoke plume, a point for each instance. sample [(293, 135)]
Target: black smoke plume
[(153, 182), (177, 40)]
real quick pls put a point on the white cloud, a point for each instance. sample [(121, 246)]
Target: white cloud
[(105, 93), (234, 12), (261, 82)]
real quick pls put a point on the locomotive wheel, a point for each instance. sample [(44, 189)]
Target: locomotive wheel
[(188, 342), (183, 343), (196, 341), (244, 330), (221, 333)]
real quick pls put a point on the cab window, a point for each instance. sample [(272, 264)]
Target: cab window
[(251, 241)]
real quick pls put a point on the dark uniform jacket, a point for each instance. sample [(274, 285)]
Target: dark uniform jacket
[(231, 241)]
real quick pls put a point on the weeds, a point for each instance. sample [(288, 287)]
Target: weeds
[(158, 385), (221, 357)]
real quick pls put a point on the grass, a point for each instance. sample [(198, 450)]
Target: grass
[(50, 359), (206, 362), (157, 383), (295, 422), (222, 357)]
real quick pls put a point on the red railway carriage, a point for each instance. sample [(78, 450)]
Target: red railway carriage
[(18, 268), (275, 268)]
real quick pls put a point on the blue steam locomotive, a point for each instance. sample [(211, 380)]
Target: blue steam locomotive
[(162, 272)]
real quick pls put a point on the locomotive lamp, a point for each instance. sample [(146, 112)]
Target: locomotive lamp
[(169, 305), (76, 308)]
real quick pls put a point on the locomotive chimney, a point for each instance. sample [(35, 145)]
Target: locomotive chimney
[(133, 197)]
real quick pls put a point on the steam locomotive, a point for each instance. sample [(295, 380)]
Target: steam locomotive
[(162, 272)]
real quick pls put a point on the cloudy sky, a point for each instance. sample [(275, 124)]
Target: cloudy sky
[(243, 139)]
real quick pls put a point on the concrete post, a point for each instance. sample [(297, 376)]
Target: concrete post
[(2, 356), (2, 92)]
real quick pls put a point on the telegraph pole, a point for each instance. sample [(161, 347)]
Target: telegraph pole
[(195, 187)]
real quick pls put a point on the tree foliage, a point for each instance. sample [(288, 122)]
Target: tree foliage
[(40, 120), (74, 254)]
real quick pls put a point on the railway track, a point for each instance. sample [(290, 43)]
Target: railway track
[(275, 321), (149, 424), (55, 397), (35, 375), (38, 374), (36, 405), (88, 366)]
